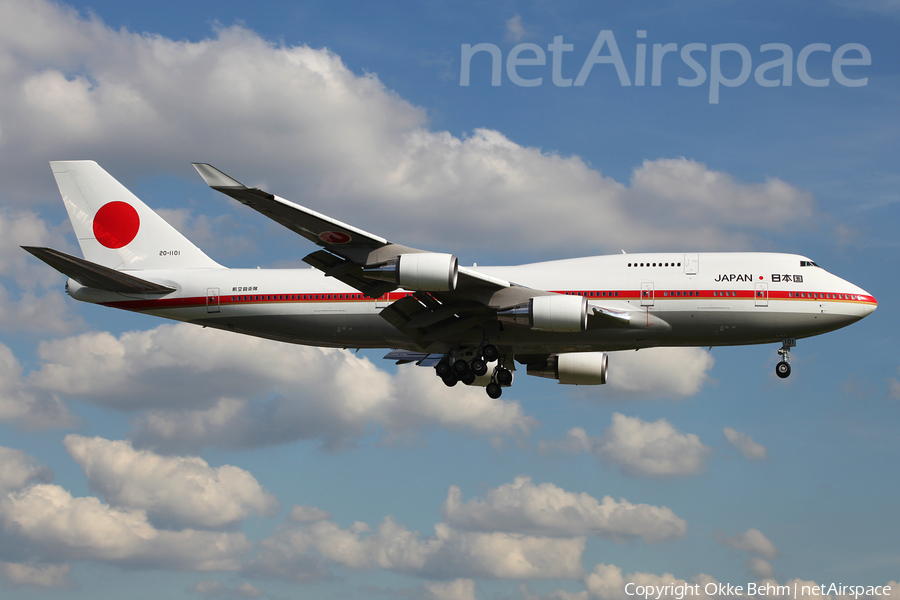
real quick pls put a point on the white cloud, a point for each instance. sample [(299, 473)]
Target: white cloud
[(36, 575), (515, 31), (24, 228), (312, 129), (760, 568), (308, 514), (656, 449), (745, 443), (217, 589), (31, 291), (760, 549), (638, 447), (894, 387), (519, 531), (303, 552), (253, 392), (753, 542), (674, 372), (219, 236), (527, 594), (21, 404), (684, 190), (607, 582), (43, 527), (18, 470), (47, 313), (546, 509), (61, 527), (458, 589), (576, 441), (175, 491)]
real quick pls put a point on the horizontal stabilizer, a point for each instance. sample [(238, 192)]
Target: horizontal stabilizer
[(96, 276)]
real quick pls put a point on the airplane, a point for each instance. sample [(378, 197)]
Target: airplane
[(471, 324)]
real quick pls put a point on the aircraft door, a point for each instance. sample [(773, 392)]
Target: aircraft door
[(212, 300), (762, 294), (691, 264), (647, 293)]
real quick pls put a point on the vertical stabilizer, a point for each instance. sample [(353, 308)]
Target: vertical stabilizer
[(115, 229)]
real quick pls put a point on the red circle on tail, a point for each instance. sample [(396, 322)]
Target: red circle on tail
[(116, 224)]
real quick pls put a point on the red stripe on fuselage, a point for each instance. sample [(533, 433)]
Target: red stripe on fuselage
[(658, 296)]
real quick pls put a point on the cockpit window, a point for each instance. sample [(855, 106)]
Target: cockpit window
[(808, 263)]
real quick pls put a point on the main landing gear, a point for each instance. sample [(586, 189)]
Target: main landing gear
[(783, 368), (453, 371)]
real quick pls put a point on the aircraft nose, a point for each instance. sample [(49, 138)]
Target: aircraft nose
[(870, 304)]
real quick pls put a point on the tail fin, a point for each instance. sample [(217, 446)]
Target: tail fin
[(115, 229)]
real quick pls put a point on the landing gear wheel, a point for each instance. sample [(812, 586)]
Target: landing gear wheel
[(450, 380), (494, 390), (783, 369), (443, 368), (460, 367), (504, 377), (478, 366), (490, 353), (468, 378)]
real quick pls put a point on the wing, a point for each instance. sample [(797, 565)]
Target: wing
[(341, 239), (448, 300)]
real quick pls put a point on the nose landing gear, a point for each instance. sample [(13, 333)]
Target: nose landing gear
[(783, 368)]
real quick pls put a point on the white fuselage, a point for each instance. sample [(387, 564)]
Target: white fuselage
[(674, 299)]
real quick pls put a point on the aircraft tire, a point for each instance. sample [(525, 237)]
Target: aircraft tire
[(478, 367), (504, 377), (783, 369), (490, 353), (443, 368), (494, 390), (460, 367), (450, 380)]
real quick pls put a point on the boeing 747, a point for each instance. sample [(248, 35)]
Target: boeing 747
[(471, 324)]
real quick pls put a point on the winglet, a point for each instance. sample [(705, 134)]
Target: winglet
[(215, 178)]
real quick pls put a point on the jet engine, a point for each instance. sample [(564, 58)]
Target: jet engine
[(549, 313), (574, 368), (427, 271)]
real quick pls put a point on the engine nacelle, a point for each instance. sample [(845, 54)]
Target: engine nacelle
[(427, 271), (557, 313), (574, 368), (431, 272)]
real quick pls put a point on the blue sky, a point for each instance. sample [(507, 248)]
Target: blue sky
[(142, 459)]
